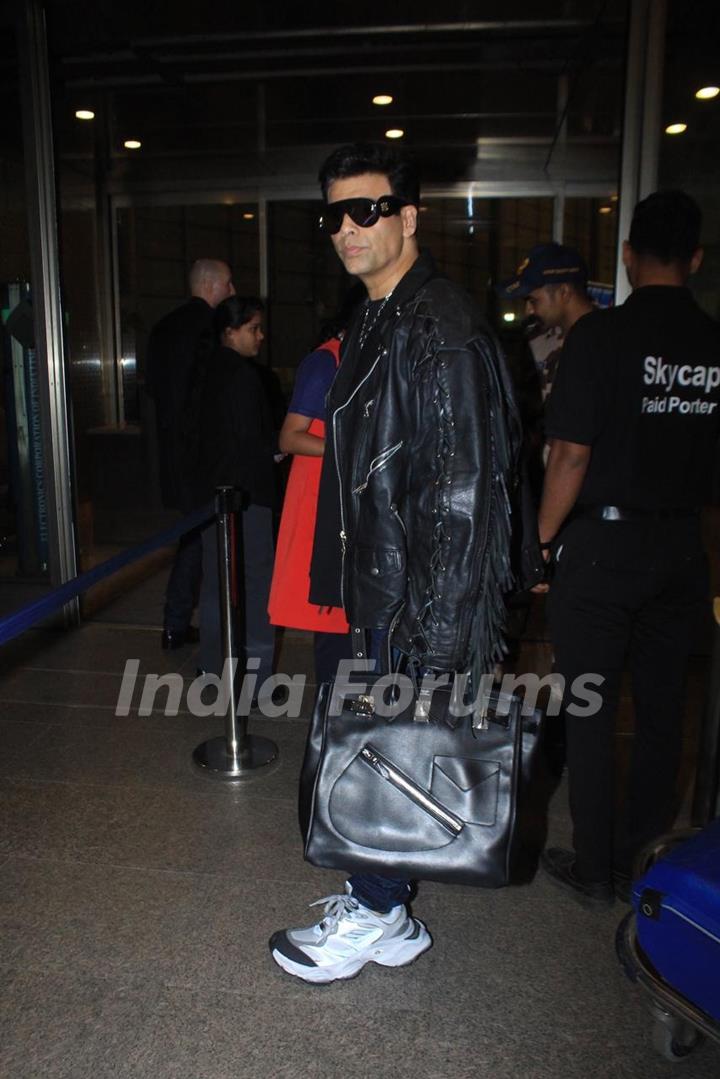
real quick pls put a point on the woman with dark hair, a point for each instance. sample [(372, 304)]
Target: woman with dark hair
[(236, 439)]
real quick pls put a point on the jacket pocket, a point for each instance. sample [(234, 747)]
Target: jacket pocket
[(377, 583), (379, 561)]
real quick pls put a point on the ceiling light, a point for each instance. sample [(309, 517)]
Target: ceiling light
[(614, 198), (675, 129), (605, 210), (706, 93), (248, 216), (509, 316), (394, 133), (132, 144), (382, 99), (84, 114)]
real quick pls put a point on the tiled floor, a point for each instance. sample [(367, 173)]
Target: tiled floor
[(137, 898)]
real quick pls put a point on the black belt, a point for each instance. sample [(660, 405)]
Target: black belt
[(623, 513)]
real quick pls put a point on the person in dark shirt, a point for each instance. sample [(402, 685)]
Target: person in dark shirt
[(633, 420), (236, 442), (173, 348)]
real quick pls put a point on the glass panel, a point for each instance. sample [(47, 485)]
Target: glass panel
[(690, 160), (156, 247), (307, 284), (24, 526), (591, 226)]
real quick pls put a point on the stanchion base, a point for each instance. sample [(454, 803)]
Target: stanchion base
[(211, 758)]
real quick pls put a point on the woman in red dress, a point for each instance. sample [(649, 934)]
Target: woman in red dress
[(303, 435)]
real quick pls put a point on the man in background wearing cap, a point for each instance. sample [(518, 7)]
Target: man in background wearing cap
[(553, 282), (633, 420)]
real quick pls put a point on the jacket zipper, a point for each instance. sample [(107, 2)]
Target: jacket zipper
[(376, 463), (416, 794), (394, 511), (343, 532)]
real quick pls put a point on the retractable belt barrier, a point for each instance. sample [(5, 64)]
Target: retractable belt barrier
[(26, 617), (237, 755)]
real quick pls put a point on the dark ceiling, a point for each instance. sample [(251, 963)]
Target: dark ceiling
[(236, 83), (243, 81)]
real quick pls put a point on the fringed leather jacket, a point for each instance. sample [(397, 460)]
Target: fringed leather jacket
[(423, 436)]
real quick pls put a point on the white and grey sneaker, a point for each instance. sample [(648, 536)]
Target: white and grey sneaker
[(346, 938)]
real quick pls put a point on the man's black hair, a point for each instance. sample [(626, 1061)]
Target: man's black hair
[(235, 311), (666, 226), (357, 158)]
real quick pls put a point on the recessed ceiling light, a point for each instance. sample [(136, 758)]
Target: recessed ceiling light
[(605, 210), (394, 133), (509, 316), (706, 93), (248, 216), (675, 129), (84, 114), (382, 99), (132, 144)]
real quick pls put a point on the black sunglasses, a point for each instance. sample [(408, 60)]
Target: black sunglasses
[(363, 212)]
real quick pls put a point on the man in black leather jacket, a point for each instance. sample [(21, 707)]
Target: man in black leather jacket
[(413, 525)]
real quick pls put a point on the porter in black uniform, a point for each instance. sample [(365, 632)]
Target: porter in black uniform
[(634, 417)]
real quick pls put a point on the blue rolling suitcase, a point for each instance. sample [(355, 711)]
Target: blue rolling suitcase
[(669, 944), (677, 919)]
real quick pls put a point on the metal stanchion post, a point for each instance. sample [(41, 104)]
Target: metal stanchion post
[(237, 755)]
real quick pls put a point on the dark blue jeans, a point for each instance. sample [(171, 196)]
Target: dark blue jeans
[(378, 893)]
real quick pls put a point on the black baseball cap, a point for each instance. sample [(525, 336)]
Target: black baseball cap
[(547, 264)]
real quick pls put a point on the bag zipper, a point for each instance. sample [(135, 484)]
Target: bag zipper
[(389, 772)]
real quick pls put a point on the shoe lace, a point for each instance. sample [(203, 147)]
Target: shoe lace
[(336, 908)]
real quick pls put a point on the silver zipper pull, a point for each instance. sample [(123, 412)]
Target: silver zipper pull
[(422, 706), (343, 540), (480, 720)]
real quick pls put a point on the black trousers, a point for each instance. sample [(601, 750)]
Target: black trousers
[(183, 587), (625, 593)]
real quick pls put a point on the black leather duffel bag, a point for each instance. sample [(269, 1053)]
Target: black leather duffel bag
[(421, 795)]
